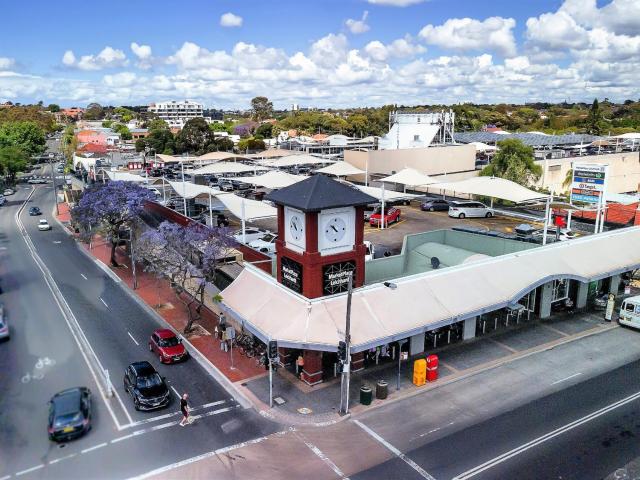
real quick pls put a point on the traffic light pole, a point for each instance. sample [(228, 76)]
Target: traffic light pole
[(270, 383), (346, 367)]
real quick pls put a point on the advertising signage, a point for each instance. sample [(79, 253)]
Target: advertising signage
[(335, 277), (589, 183), (291, 274)]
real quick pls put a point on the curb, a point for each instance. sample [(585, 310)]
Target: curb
[(209, 367)]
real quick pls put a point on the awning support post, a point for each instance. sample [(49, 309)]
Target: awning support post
[(346, 368), (210, 211), (244, 223), (382, 210), (546, 220)]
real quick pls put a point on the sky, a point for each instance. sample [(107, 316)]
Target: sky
[(319, 53)]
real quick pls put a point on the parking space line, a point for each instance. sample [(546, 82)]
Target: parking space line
[(5, 477), (175, 391), (29, 470), (566, 378), (84, 276), (90, 449), (555, 330), (318, 453), (105, 303), (507, 347), (423, 473), (134, 340)]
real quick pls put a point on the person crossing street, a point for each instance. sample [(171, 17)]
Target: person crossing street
[(184, 409)]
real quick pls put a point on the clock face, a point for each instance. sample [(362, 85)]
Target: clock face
[(335, 230), (296, 228)]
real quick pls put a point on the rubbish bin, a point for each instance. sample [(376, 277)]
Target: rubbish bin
[(366, 395), (382, 390)]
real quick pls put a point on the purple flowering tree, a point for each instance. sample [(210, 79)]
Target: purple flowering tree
[(110, 207), (187, 256)]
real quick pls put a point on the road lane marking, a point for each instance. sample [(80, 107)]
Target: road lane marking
[(29, 470), (423, 473), (173, 414), (105, 304), (220, 451), (84, 276), (543, 438), (134, 340), (68, 315), (5, 477), (91, 449), (566, 378), (52, 462), (57, 242), (175, 391), (318, 453)]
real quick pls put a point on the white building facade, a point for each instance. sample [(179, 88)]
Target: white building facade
[(418, 130), (177, 112)]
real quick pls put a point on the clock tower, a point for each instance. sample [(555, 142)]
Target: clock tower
[(320, 235)]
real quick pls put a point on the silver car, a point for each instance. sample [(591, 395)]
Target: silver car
[(469, 209)]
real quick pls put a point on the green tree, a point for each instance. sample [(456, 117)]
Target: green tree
[(94, 111), (265, 130), (251, 144), (261, 108), (53, 107), (157, 124), (141, 145), (594, 120), (123, 130), (107, 123), (514, 161), (195, 137), (162, 141), (27, 136), (12, 160)]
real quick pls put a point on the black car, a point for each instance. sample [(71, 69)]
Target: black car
[(145, 385), (34, 211), (70, 414), (435, 205)]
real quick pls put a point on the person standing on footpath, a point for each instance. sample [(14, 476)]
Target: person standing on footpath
[(184, 409)]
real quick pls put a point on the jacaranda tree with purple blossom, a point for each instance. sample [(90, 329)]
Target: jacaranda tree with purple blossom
[(108, 208), (187, 256)]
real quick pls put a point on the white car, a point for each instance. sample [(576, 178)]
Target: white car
[(2, 200), (43, 225), (552, 234), (370, 252), (9, 191), (469, 209), (265, 244), (251, 234)]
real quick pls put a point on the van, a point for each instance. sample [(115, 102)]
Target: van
[(469, 209), (630, 312)]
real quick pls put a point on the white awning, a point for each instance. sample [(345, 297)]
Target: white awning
[(273, 153), (483, 147), (491, 187), (410, 177), (340, 169), (226, 167), (124, 176), (272, 179), (389, 195), (424, 301), (293, 160), (243, 207), (628, 136), (191, 190), (219, 156)]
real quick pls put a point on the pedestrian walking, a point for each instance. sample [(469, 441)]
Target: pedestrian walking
[(299, 364), (184, 409)]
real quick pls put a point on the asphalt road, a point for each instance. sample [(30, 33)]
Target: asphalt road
[(585, 431), (117, 329)]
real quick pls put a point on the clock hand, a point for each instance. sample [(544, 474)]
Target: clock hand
[(334, 228)]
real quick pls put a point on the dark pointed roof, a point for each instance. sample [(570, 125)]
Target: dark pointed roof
[(319, 192)]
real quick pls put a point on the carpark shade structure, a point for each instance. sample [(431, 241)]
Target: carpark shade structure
[(384, 195), (272, 179)]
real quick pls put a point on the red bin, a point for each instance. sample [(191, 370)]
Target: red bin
[(432, 368)]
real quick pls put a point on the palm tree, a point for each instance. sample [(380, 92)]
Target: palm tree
[(568, 179)]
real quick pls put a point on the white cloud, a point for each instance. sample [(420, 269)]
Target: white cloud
[(494, 33), (517, 63), (230, 20), (107, 58), (6, 63), (396, 3), (329, 50), (143, 52), (399, 48), (357, 27), (556, 31), (123, 79)]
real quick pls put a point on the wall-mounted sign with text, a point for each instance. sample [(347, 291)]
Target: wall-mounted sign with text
[(335, 277), (589, 183), (291, 274)]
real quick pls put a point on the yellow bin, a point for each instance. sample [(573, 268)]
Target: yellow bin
[(420, 372)]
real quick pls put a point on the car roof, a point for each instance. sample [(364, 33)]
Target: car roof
[(67, 401), (143, 368), (164, 333)]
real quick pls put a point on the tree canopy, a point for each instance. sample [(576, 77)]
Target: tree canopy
[(12, 161), (261, 108), (27, 136), (514, 161)]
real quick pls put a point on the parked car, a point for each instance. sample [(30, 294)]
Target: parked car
[(43, 225), (600, 301), (370, 251), (391, 215), (265, 244), (251, 234), (435, 205), (35, 211), (552, 234), (169, 348), (145, 385), (4, 325), (226, 186), (3, 200), (70, 414), (368, 211), (8, 191), (469, 209)]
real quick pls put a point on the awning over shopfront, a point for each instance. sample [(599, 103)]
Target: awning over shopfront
[(491, 187), (272, 179), (423, 301)]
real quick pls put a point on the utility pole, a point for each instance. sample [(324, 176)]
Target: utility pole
[(53, 178), (346, 367)]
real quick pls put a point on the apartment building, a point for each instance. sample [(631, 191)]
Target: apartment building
[(177, 111)]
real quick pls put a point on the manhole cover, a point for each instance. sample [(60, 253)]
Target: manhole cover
[(279, 400), (305, 411)]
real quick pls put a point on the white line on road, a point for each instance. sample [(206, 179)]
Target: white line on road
[(175, 391), (5, 477), (91, 449), (326, 460), (84, 276), (29, 470), (105, 304), (52, 462), (173, 414), (134, 340), (548, 436), (395, 451), (57, 242), (566, 378)]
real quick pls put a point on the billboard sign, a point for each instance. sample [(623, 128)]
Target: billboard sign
[(589, 183)]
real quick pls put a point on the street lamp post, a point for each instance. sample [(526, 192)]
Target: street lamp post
[(393, 286), (346, 367), (53, 178)]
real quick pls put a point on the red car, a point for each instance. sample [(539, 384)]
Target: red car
[(167, 346), (391, 215)]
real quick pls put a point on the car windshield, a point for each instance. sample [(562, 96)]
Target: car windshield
[(149, 381), (268, 238), (67, 419), (168, 342)]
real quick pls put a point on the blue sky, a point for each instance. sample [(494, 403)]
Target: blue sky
[(319, 52)]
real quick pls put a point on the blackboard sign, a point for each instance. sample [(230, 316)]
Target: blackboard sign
[(291, 274), (335, 277)]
